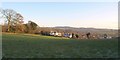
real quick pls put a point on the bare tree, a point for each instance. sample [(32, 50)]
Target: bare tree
[(12, 17), (18, 22), (88, 35), (8, 14)]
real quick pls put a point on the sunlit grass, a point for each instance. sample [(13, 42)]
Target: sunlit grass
[(38, 46)]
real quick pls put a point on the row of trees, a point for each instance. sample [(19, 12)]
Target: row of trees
[(14, 22)]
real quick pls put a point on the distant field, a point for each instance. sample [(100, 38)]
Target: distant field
[(37, 46)]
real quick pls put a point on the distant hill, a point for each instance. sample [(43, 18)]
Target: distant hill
[(92, 30), (80, 31)]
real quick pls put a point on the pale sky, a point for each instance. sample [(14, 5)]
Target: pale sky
[(74, 14), (59, 0)]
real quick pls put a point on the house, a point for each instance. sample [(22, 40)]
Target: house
[(68, 35), (55, 33), (58, 34), (52, 33)]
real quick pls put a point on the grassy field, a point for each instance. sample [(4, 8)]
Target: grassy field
[(37, 46)]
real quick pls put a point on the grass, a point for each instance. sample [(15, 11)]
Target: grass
[(38, 46)]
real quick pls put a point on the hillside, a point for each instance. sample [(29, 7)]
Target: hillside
[(92, 30)]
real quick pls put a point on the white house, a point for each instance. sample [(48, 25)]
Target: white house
[(55, 33), (52, 33)]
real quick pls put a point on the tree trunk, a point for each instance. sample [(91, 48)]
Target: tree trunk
[(8, 30)]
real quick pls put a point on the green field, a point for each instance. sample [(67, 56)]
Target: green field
[(37, 46)]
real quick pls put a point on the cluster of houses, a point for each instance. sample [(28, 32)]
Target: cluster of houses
[(60, 34), (72, 35)]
